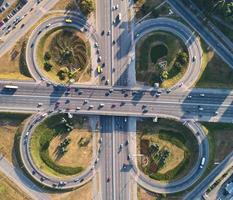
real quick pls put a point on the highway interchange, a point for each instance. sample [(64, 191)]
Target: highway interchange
[(125, 102)]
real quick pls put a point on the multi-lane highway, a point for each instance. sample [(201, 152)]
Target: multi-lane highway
[(116, 43), (204, 105)]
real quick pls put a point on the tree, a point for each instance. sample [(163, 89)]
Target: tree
[(87, 6), (182, 58), (47, 66), (47, 56), (177, 65)]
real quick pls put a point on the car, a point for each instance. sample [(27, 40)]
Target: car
[(189, 96), (96, 161), (126, 142), (78, 108), (99, 59), (27, 134), (48, 25), (68, 20), (76, 180), (106, 82), (202, 162), (40, 104), (119, 17), (102, 33), (111, 90), (216, 113), (168, 91), (181, 84), (117, 6), (108, 179), (100, 140), (194, 58), (125, 120), (200, 108), (202, 94), (121, 146), (91, 106), (85, 101), (124, 166), (101, 105), (96, 45), (108, 33)]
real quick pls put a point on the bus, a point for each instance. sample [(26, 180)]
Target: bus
[(12, 87), (68, 20), (99, 70)]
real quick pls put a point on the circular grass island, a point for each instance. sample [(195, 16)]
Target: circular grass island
[(168, 150), (61, 146), (63, 55), (161, 58)]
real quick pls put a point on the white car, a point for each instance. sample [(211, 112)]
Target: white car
[(202, 95)]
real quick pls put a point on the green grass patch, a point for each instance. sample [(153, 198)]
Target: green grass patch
[(216, 73), (156, 48), (40, 141), (158, 52)]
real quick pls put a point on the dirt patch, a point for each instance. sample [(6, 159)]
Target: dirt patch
[(13, 64), (85, 192), (76, 156), (8, 128), (146, 195), (176, 154)]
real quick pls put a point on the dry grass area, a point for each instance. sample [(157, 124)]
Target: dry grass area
[(82, 193), (9, 191), (176, 154), (63, 4), (76, 156), (146, 195), (12, 63), (8, 129)]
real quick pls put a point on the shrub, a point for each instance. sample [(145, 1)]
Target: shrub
[(47, 66), (47, 56), (87, 6)]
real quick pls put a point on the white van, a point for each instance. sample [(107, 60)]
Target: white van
[(202, 162)]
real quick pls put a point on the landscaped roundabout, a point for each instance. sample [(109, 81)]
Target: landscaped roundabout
[(161, 58), (58, 150), (63, 55), (168, 150), (61, 146)]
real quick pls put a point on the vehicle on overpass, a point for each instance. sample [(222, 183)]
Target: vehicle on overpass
[(11, 87), (99, 69)]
